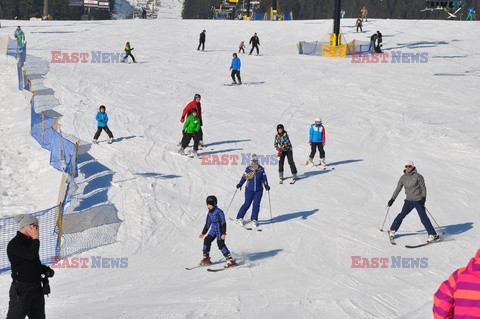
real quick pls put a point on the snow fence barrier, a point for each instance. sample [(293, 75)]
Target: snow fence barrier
[(91, 227), (327, 50)]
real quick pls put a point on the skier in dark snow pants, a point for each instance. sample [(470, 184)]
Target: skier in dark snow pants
[(284, 148), (201, 41), (416, 196), (218, 229), (255, 42)]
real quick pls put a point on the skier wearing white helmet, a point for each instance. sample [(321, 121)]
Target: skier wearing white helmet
[(317, 141)]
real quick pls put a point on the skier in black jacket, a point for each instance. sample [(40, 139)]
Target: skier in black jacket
[(255, 42), (26, 291), (201, 41)]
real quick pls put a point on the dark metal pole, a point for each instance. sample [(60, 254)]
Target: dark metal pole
[(336, 21), (248, 8)]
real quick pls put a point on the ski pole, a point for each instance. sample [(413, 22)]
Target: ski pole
[(388, 209), (270, 206), (443, 232), (231, 201)]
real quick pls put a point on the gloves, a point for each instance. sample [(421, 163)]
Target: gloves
[(310, 142), (279, 153), (49, 272), (182, 119), (422, 201), (239, 186), (267, 187), (390, 202)]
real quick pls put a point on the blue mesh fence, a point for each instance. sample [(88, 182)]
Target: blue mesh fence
[(48, 232)]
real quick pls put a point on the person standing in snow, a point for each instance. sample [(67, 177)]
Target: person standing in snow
[(194, 104), (255, 42), (191, 128), (358, 24), (102, 120), (128, 52), (378, 43), (284, 148), (201, 41), (317, 138), (20, 36), (235, 67), (241, 47), (216, 227), (416, 192), (26, 290), (256, 179), (364, 12), (457, 297)]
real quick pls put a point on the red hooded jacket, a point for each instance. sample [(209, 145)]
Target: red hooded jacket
[(189, 107)]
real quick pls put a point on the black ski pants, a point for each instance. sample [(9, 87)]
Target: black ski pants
[(237, 73), (289, 156), (314, 150), (99, 130), (188, 137), (201, 44), (241, 49), (26, 300), (129, 54), (255, 47)]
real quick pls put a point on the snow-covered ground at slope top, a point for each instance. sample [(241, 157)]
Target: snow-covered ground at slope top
[(376, 117)]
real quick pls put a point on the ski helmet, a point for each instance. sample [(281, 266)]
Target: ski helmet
[(193, 111), (212, 200), (102, 107), (318, 119), (197, 95), (280, 126), (128, 42)]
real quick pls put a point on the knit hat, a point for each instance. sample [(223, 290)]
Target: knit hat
[(410, 163), (25, 220), (254, 159)]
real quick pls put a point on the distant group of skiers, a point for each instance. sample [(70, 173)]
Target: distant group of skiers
[(254, 42)]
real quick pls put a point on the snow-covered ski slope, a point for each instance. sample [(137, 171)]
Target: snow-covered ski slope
[(376, 117)]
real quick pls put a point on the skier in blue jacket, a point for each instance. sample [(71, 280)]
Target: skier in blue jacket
[(235, 67), (317, 140), (256, 179), (218, 229), (102, 119)]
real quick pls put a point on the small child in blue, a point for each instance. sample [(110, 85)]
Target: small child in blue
[(102, 119), (218, 229)]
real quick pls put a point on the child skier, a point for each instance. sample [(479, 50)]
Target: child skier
[(218, 229), (128, 52), (241, 47), (102, 119), (191, 128), (317, 140), (256, 179), (195, 104), (284, 147)]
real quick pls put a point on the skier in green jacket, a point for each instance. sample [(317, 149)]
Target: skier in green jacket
[(20, 36), (128, 52), (191, 128)]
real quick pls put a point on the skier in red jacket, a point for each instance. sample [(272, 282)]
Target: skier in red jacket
[(195, 104)]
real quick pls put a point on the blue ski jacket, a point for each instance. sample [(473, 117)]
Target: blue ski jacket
[(236, 64), (102, 119), (215, 222), (255, 177), (317, 134)]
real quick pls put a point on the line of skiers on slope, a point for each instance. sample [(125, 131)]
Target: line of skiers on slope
[(254, 41)]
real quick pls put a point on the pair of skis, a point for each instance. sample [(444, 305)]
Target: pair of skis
[(392, 241), (292, 182), (244, 226), (211, 269), (325, 167)]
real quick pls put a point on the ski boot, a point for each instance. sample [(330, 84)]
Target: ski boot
[(195, 154), (234, 82), (294, 177), (310, 162), (254, 224), (391, 233), (230, 261), (239, 221), (181, 151), (206, 260), (323, 163), (111, 141), (94, 141), (433, 238), (280, 175)]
